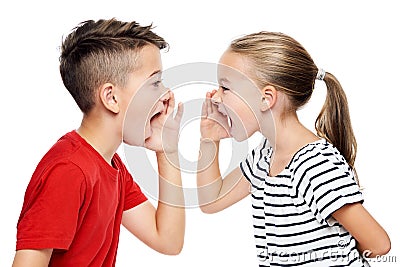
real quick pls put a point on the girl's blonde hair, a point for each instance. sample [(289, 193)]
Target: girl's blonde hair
[(279, 60)]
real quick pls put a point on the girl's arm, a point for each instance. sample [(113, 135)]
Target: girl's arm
[(215, 193), (372, 239)]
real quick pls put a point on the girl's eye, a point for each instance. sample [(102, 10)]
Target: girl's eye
[(224, 88)]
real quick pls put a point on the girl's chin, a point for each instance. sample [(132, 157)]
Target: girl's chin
[(241, 138), (147, 135), (147, 131)]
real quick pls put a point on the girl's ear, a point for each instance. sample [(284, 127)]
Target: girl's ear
[(268, 97), (109, 98)]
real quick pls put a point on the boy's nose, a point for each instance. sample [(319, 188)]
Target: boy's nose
[(165, 95)]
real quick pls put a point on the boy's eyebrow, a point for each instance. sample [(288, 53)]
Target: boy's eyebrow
[(154, 73)]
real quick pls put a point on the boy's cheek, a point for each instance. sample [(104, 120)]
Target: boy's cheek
[(138, 114), (133, 133)]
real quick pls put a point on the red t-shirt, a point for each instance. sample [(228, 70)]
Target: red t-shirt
[(74, 204)]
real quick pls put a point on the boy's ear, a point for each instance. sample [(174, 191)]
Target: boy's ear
[(268, 97), (109, 98)]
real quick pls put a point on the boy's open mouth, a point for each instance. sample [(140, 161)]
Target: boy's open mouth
[(155, 113), (158, 109)]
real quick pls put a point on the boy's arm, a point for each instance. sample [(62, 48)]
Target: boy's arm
[(32, 258), (163, 228)]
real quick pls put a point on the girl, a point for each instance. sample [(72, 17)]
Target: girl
[(307, 206)]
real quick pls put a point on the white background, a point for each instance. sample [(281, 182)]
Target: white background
[(355, 40)]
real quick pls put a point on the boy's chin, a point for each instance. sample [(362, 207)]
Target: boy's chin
[(134, 141)]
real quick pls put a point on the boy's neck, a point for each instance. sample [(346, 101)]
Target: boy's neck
[(101, 135)]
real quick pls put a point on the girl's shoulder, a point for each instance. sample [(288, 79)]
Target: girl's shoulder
[(318, 153), (320, 150)]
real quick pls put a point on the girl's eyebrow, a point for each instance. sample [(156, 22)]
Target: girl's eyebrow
[(224, 80)]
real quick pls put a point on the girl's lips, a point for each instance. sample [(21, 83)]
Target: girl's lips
[(222, 110)]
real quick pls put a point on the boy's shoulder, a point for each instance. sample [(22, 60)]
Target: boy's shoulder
[(66, 148), (73, 150)]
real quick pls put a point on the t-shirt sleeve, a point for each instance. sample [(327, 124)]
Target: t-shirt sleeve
[(326, 183), (49, 215), (133, 194), (248, 165)]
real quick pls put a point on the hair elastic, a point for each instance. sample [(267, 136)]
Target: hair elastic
[(320, 74)]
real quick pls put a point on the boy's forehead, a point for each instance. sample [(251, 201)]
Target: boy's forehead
[(148, 61)]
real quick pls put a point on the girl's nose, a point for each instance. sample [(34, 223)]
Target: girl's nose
[(216, 98)]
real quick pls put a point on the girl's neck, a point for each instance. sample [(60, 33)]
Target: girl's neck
[(289, 135)]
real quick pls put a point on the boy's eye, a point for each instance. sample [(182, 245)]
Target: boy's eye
[(224, 88), (157, 83)]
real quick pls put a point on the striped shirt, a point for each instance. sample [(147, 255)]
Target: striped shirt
[(292, 211)]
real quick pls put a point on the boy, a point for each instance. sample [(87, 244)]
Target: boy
[(81, 192)]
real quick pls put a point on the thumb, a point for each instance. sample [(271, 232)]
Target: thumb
[(179, 113)]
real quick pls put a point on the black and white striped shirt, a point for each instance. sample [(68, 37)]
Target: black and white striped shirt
[(292, 211)]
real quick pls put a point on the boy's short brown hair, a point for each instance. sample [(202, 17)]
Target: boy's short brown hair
[(97, 52)]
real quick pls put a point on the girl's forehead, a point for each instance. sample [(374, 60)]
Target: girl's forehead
[(233, 60), (233, 66), (233, 78), (230, 74)]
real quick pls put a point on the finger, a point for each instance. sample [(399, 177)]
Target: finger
[(179, 113), (171, 103), (209, 105), (216, 100), (204, 110)]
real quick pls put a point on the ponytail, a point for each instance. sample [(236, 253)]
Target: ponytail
[(333, 122)]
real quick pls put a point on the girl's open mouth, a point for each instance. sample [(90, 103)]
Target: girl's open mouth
[(222, 110)]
